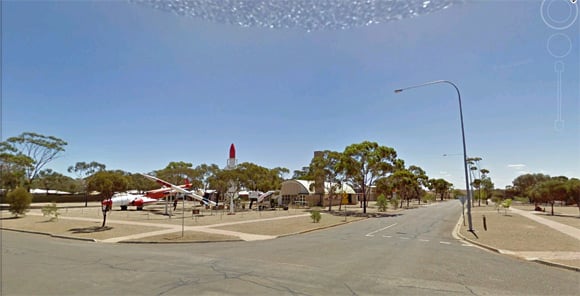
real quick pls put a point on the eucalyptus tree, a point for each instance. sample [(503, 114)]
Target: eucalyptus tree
[(177, 172), (226, 182), (303, 174), (550, 191), (421, 180), (486, 185), (82, 170), (363, 163), (107, 183), (252, 176), (50, 180), (40, 149), (140, 183), (204, 172), (523, 184), (326, 168), (574, 191), (404, 183), (281, 172), (12, 167), (441, 187)]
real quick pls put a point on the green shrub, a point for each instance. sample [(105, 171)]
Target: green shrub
[(428, 197), (51, 211), (382, 203), (19, 200), (506, 204), (395, 203), (316, 216)]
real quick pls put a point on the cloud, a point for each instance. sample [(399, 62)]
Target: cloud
[(517, 167)]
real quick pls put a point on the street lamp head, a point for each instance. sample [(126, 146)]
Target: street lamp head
[(398, 90)]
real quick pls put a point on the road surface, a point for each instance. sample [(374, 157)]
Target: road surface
[(410, 254)]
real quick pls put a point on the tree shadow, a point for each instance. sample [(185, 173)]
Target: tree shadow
[(91, 229), (10, 218), (359, 214)]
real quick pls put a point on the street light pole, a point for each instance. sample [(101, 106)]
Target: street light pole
[(463, 138)]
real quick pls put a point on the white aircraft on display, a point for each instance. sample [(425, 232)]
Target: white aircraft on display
[(181, 190), (124, 199)]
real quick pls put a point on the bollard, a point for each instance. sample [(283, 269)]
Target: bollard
[(484, 224)]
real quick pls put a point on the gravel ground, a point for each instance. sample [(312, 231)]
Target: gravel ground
[(513, 233)]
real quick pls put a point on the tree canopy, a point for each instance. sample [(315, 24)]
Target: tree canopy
[(363, 163), (34, 150)]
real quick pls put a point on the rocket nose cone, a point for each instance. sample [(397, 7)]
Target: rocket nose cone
[(232, 151)]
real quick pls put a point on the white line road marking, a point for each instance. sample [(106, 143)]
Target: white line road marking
[(445, 243), (387, 236), (402, 237), (371, 233), (424, 240)]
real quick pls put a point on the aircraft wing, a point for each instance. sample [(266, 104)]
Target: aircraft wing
[(180, 190), (264, 195)]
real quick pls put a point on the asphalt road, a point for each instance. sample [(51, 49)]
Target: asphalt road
[(410, 254)]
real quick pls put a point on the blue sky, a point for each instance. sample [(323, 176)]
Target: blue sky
[(134, 87)]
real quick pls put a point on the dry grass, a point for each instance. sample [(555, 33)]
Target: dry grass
[(288, 226), (516, 233)]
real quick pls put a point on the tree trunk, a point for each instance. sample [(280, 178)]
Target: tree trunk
[(330, 203), (364, 203), (552, 203), (104, 218)]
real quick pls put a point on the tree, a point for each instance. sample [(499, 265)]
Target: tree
[(421, 181), (405, 184), (140, 183), (48, 179), (486, 185), (574, 191), (19, 200), (204, 172), (12, 167), (523, 184), (177, 172), (550, 191), (107, 183), (83, 170), (226, 182), (39, 148), (303, 174), (365, 162), (441, 187), (326, 168)]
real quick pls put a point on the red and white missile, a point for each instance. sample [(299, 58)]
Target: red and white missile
[(232, 161)]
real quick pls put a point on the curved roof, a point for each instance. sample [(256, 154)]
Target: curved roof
[(305, 187)]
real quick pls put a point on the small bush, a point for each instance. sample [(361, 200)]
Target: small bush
[(395, 203), (316, 216), (51, 211), (382, 203), (506, 204), (428, 197), (19, 200)]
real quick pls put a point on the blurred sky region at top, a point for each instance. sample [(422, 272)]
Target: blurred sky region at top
[(136, 87)]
